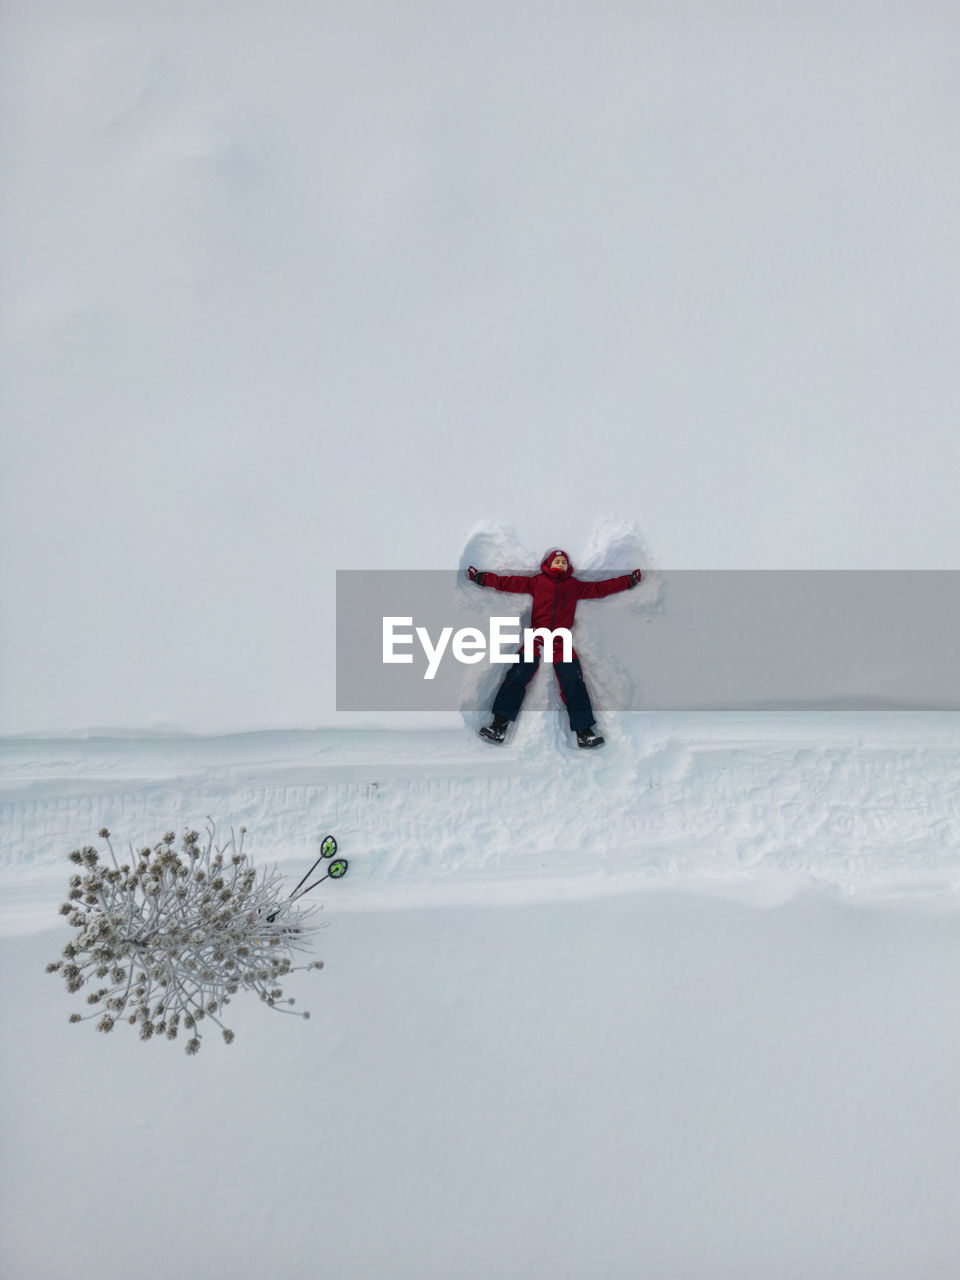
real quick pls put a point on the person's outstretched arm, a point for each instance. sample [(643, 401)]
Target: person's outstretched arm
[(608, 586), (501, 581)]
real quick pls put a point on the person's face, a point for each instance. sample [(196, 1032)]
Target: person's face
[(559, 562)]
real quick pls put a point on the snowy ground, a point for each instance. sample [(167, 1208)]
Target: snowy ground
[(682, 1008), (297, 288), (861, 801), (655, 1084)]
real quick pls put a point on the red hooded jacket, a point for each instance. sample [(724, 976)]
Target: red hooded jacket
[(555, 593)]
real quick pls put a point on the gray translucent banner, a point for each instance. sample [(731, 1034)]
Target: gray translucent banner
[(688, 640)]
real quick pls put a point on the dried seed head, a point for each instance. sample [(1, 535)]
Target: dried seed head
[(190, 933)]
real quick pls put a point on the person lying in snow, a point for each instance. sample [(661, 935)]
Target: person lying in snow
[(555, 593)]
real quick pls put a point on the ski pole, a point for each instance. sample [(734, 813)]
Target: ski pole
[(328, 847)]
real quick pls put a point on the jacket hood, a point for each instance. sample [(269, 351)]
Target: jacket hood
[(553, 573)]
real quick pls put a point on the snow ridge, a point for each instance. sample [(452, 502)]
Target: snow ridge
[(863, 801)]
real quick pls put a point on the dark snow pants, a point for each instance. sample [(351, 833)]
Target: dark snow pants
[(572, 690)]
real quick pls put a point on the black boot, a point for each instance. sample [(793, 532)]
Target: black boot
[(496, 731), (587, 738)]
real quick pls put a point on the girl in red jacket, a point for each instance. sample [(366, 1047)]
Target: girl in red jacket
[(555, 593)]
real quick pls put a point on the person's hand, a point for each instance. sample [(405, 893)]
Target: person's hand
[(476, 576), (635, 577)]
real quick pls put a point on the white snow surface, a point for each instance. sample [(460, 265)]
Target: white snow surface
[(303, 287), (857, 800), (681, 1007), (297, 288)]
